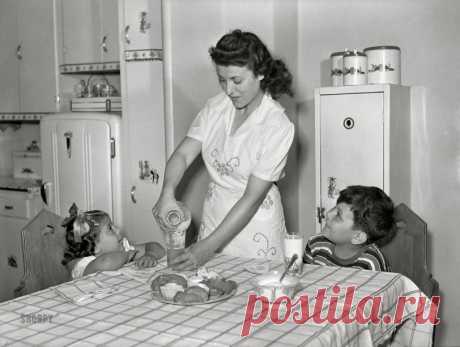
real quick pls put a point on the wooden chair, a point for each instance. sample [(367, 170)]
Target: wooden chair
[(43, 244), (407, 252)]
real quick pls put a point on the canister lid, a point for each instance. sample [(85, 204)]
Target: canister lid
[(354, 53), (381, 47), (335, 54)]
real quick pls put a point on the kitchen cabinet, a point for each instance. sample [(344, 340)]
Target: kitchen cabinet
[(362, 137), (27, 58), (16, 209), (142, 27), (90, 31), (143, 126)]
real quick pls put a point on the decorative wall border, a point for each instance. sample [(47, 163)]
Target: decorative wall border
[(113, 66), (143, 55), (5, 116)]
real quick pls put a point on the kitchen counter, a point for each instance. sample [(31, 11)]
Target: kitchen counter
[(20, 184)]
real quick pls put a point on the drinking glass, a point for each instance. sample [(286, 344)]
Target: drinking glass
[(293, 244)]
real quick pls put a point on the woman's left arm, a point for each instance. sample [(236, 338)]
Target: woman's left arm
[(235, 221)]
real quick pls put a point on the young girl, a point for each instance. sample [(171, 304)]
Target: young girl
[(94, 244)]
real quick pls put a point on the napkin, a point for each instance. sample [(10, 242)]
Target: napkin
[(81, 291)]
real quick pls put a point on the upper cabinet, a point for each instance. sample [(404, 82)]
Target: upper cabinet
[(28, 80), (142, 25), (90, 31)]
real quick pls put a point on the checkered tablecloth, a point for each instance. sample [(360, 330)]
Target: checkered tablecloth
[(128, 316)]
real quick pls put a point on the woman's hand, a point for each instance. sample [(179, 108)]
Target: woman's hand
[(166, 203), (194, 256)]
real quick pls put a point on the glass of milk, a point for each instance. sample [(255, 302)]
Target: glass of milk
[(293, 244)]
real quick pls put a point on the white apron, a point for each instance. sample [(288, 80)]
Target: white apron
[(258, 147)]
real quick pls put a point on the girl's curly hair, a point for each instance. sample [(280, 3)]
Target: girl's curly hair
[(80, 245), (241, 48)]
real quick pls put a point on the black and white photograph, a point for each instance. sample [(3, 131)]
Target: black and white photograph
[(221, 173)]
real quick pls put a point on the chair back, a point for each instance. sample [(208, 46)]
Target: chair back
[(407, 252), (43, 244)]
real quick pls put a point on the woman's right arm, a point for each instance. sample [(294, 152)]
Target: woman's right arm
[(176, 166)]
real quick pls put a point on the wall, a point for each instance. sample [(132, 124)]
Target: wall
[(190, 29), (427, 32)]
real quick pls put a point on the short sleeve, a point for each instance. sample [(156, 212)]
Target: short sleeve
[(198, 127), (272, 156)]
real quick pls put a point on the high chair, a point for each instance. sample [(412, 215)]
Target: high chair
[(43, 244)]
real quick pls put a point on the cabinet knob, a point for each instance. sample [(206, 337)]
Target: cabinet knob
[(104, 44), (19, 51)]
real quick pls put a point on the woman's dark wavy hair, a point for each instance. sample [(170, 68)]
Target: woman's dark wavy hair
[(84, 245), (372, 211), (243, 48)]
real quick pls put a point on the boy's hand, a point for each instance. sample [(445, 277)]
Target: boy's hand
[(146, 261)]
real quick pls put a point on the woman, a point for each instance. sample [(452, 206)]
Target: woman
[(244, 137)]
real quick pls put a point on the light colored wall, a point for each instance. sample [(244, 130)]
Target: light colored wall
[(191, 27), (428, 33)]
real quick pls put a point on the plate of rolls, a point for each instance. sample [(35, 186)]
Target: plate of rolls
[(197, 289)]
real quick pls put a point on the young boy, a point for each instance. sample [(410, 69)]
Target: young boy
[(360, 223)]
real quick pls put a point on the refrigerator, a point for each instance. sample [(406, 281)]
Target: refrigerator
[(81, 162)]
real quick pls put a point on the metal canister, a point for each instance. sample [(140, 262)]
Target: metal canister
[(337, 69), (383, 64), (354, 68)]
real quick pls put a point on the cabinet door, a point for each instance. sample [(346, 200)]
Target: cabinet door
[(80, 28), (110, 50), (143, 121), (37, 72), (11, 262), (351, 143), (142, 24), (9, 63)]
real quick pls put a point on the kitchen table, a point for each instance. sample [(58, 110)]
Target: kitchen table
[(126, 315)]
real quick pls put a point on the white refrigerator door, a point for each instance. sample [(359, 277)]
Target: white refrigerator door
[(77, 164)]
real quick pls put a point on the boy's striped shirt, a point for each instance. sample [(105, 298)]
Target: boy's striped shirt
[(319, 250)]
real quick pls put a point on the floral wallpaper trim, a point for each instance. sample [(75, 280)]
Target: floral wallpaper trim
[(144, 54), (10, 116), (90, 67)]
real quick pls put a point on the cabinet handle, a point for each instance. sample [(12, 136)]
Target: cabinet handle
[(133, 197), (104, 44), (127, 40), (9, 207), (19, 51)]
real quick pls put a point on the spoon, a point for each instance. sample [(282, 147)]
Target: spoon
[(291, 262)]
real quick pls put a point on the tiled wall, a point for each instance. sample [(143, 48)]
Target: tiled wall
[(15, 140)]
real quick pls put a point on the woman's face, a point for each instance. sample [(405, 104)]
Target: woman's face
[(240, 84)]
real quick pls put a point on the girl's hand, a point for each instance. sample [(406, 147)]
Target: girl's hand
[(146, 261), (165, 203), (194, 256)]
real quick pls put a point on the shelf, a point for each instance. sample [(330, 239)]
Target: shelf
[(87, 68)]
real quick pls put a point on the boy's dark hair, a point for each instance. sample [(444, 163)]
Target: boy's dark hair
[(372, 212), (242, 48), (80, 246)]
